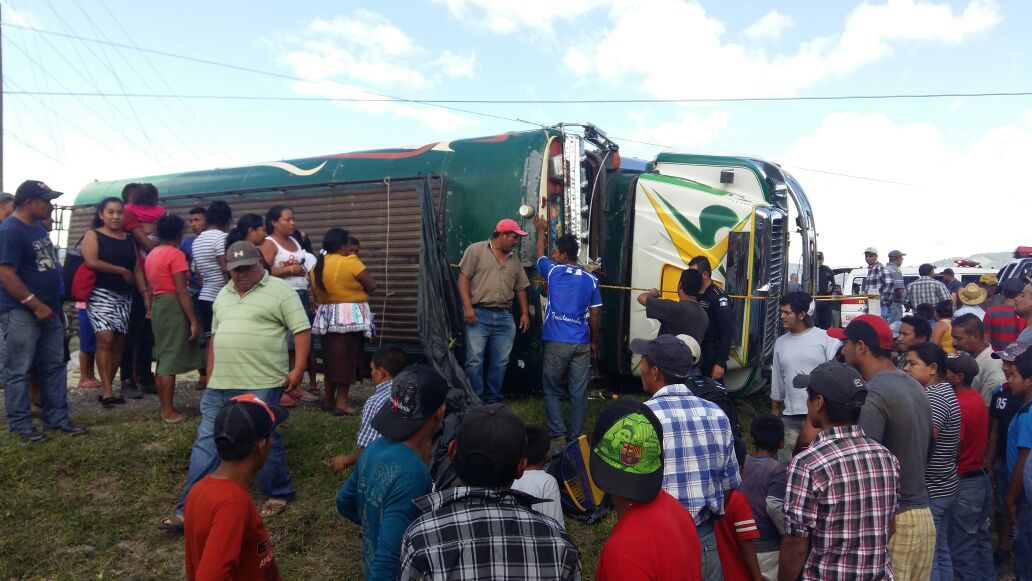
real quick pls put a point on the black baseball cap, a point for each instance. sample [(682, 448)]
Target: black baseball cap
[(489, 446), (627, 451), (961, 362), (246, 420), (836, 381), (416, 393), (32, 189), (671, 355)]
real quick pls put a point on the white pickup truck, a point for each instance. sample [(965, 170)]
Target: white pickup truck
[(850, 281)]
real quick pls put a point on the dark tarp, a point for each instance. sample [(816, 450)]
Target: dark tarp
[(440, 328)]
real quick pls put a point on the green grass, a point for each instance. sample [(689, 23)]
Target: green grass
[(82, 507)]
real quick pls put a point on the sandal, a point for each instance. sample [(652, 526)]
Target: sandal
[(173, 523), (306, 396), (88, 384), (273, 507), (345, 413), (287, 400)]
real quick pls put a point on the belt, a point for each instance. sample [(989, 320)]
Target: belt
[(973, 473), (498, 309)]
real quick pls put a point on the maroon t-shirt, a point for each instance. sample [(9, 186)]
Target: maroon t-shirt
[(974, 431)]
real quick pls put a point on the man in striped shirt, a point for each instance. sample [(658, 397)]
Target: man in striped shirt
[(1002, 323), (842, 491)]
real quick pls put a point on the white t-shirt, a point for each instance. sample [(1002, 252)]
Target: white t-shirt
[(974, 309), (207, 248), (542, 485), (795, 354)]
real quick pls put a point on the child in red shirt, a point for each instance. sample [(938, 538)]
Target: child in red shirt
[(735, 533), (225, 535)]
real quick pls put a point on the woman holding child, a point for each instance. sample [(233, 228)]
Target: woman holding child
[(343, 318)]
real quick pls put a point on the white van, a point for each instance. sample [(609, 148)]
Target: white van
[(851, 281)]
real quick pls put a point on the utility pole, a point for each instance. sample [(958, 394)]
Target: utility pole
[(1, 105)]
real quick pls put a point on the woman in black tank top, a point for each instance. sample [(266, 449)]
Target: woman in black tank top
[(111, 255)]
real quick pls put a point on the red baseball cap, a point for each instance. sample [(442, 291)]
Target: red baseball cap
[(509, 225), (871, 329)]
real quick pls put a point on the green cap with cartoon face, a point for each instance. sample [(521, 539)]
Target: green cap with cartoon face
[(627, 451)]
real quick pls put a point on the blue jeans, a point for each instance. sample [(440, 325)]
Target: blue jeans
[(942, 512), (489, 342), (204, 458), (895, 312), (1022, 546), (970, 546), (560, 358), (711, 569), (28, 345)]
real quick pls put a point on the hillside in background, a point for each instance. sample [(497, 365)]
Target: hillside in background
[(988, 259)]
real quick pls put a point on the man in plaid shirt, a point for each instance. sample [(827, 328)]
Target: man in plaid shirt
[(698, 445), (926, 290), (842, 491), (484, 529), (879, 279)]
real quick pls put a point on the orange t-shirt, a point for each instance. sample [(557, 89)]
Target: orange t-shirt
[(225, 535), (161, 266)]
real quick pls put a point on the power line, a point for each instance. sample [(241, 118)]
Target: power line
[(28, 145), (382, 96), (387, 99)]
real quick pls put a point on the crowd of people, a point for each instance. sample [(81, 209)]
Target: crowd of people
[(888, 447)]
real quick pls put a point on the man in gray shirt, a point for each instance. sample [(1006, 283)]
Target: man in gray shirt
[(896, 414), (685, 316)]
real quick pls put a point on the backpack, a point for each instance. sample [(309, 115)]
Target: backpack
[(581, 499), (711, 391), (78, 280)]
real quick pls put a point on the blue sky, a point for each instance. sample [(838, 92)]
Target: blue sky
[(961, 158)]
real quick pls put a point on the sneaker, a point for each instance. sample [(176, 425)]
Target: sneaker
[(71, 429), (31, 436)]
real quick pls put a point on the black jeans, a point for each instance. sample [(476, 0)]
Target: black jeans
[(139, 344)]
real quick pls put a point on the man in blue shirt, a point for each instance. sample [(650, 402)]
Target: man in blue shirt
[(392, 471), (30, 316), (570, 332)]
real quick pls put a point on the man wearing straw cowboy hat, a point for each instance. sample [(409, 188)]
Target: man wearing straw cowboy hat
[(972, 296)]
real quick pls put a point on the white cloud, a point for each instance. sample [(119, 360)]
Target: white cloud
[(687, 55), (769, 26), (350, 56), (507, 16), (692, 131), (436, 118), (958, 207)]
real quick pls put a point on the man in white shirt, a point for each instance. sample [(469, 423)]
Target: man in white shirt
[(798, 351), (969, 335)]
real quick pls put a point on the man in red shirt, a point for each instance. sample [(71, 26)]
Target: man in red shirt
[(225, 535), (969, 519), (654, 536), (1002, 324)]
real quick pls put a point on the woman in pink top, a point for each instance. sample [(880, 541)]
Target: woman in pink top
[(176, 329)]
